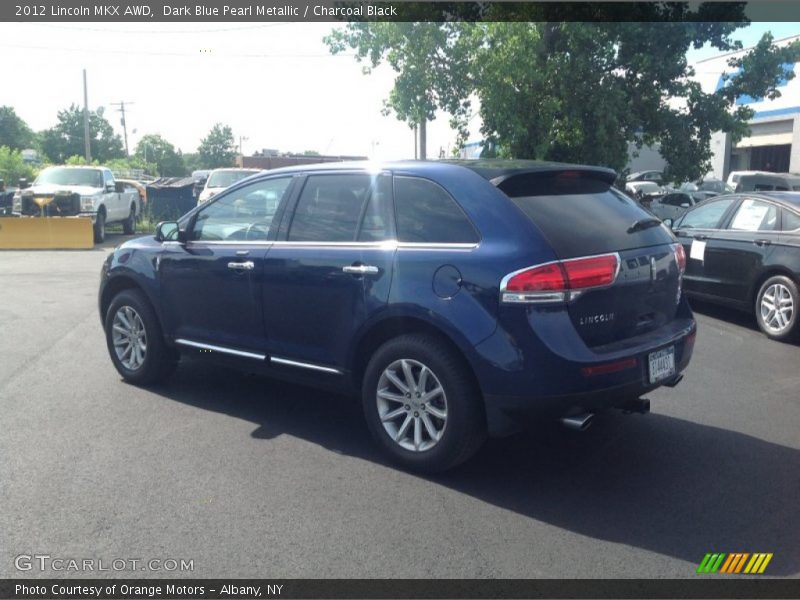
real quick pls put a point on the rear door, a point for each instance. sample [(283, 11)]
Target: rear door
[(329, 270)]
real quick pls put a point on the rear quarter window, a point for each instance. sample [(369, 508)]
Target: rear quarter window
[(426, 213)]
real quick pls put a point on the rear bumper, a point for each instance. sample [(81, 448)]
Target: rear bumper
[(537, 379)]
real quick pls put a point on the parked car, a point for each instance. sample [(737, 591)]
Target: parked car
[(712, 187), (735, 176), (674, 204), (653, 175), (219, 179), (744, 252), (89, 192), (766, 182), (454, 297), (644, 189)]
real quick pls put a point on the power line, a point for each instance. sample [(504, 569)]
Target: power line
[(180, 54)]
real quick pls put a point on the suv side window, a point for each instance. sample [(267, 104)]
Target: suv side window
[(426, 213), (342, 208), (242, 215), (707, 215), (754, 215)]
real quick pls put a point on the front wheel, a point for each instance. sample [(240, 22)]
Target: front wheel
[(422, 404), (776, 307), (135, 342), (100, 227)]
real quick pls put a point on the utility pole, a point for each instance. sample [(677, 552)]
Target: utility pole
[(86, 133), (121, 109), (423, 139)]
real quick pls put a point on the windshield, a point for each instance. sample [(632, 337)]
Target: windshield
[(227, 178), (68, 176)]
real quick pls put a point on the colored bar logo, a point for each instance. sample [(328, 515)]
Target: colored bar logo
[(735, 563)]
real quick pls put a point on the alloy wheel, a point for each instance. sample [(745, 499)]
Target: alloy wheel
[(412, 405), (777, 307), (129, 338)]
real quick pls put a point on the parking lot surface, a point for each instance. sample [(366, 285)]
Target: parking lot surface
[(250, 477)]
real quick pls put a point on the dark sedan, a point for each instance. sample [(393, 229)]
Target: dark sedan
[(744, 251)]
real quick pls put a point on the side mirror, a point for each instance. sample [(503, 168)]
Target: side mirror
[(168, 231), (119, 187), (23, 183), (668, 222)]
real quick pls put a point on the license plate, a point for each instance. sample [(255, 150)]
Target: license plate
[(662, 364)]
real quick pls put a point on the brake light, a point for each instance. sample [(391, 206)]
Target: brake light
[(591, 272), (680, 257), (559, 280), (548, 277)]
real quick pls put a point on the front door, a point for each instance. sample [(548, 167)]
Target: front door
[(211, 285), (329, 270), (742, 248), (696, 231)]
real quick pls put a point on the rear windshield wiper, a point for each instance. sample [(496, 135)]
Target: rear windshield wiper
[(644, 224)]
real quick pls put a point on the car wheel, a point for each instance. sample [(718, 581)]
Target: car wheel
[(422, 405), (100, 228), (129, 224), (777, 304), (135, 341)]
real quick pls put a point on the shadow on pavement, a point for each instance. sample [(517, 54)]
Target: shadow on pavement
[(655, 482), (724, 313)]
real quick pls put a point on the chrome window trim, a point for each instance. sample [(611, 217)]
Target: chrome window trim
[(223, 349), (383, 245), (303, 365)]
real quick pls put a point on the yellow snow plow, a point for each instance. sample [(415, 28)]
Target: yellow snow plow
[(34, 233)]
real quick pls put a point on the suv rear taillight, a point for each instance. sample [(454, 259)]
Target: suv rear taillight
[(559, 281), (680, 257)]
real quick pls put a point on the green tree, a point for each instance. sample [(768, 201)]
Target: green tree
[(153, 148), (14, 132), (66, 138), (12, 167), (581, 91), (218, 148)]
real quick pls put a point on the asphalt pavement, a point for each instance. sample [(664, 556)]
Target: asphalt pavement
[(250, 477)]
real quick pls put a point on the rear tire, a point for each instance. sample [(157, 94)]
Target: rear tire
[(100, 228), (129, 224), (431, 430), (777, 305), (135, 340)]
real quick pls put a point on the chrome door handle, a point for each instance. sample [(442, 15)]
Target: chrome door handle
[(242, 266), (762, 242), (360, 269)]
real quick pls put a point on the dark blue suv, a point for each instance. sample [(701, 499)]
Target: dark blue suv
[(457, 299)]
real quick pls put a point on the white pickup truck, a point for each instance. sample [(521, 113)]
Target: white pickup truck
[(89, 192)]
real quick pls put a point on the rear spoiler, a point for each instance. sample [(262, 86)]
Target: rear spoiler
[(520, 179)]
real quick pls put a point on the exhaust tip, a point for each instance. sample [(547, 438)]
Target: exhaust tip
[(578, 422)]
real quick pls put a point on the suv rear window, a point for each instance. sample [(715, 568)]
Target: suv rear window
[(581, 215), (426, 213)]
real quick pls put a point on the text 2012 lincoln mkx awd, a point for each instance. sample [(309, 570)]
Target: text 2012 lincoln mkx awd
[(456, 299)]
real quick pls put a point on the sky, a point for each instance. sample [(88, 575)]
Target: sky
[(275, 84)]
